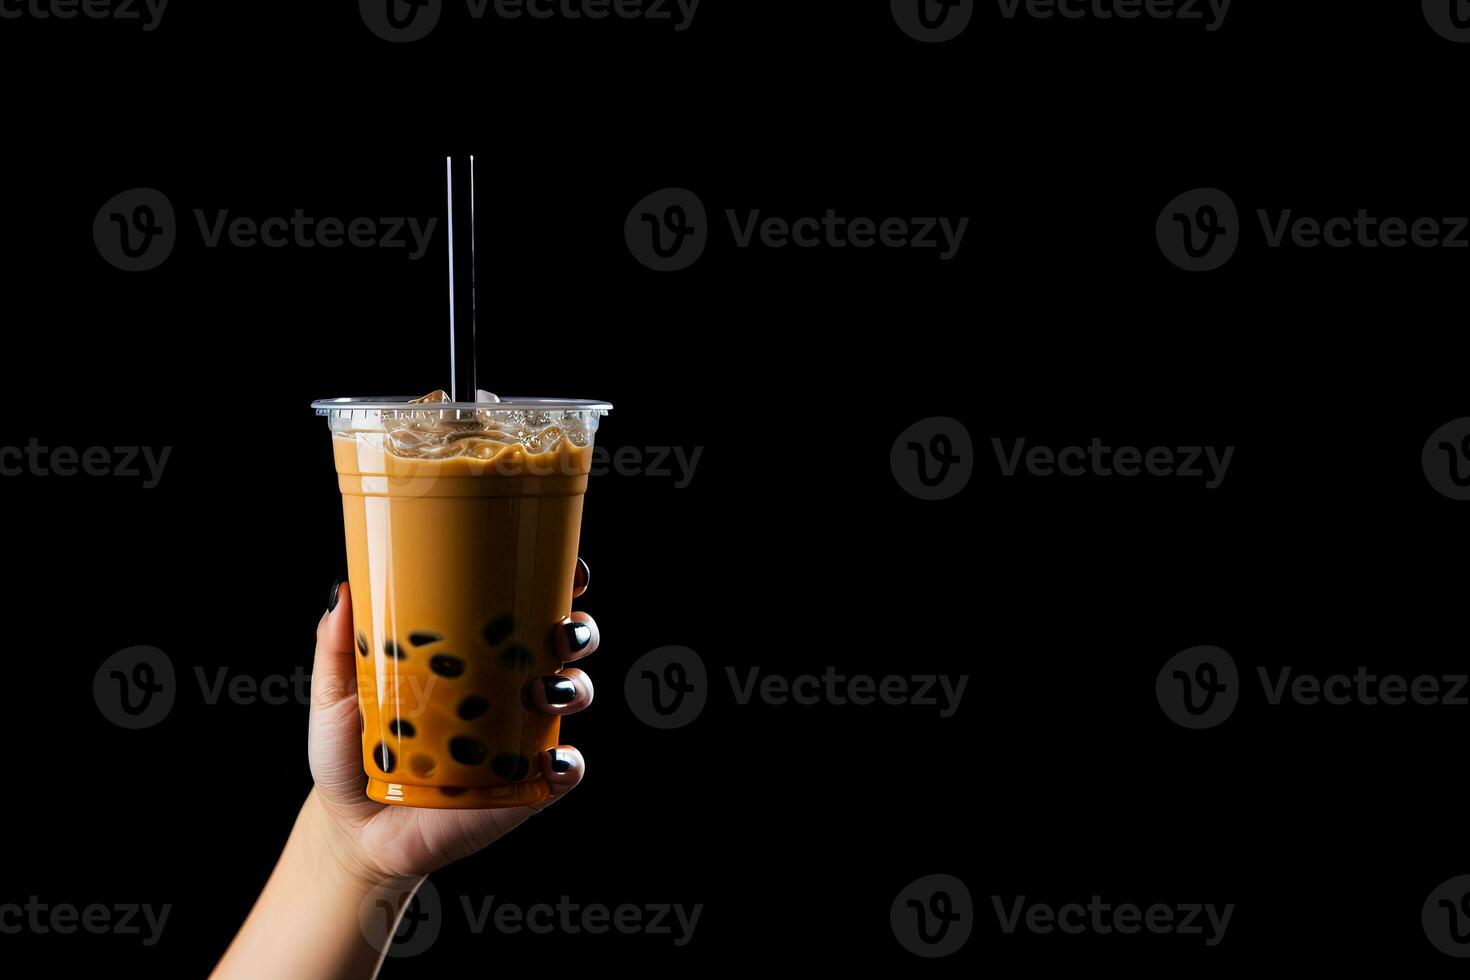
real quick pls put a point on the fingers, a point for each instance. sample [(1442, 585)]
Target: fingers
[(334, 739), (563, 768), (563, 693), (576, 637), (334, 672), (583, 576)]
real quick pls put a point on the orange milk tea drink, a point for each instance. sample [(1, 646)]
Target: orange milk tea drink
[(462, 522)]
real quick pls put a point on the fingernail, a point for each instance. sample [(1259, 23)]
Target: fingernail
[(578, 635), (336, 591), (559, 690), (560, 762)]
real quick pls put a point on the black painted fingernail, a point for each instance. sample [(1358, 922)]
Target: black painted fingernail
[(560, 762), (578, 635), (559, 690), (336, 592)]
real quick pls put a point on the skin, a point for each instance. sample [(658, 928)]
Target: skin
[(347, 852)]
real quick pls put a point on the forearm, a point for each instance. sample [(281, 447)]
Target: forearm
[(309, 921)]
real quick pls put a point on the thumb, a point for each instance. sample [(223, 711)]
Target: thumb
[(334, 741)]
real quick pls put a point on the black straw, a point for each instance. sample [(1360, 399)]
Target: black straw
[(459, 174)]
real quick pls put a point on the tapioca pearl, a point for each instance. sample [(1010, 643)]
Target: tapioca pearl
[(472, 707), (383, 756), (392, 650), (467, 751), (422, 765), (517, 657), (445, 665), (498, 630), (362, 645), (422, 638), (401, 728), (452, 790), (508, 766)]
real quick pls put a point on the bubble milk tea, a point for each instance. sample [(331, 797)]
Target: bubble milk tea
[(462, 521)]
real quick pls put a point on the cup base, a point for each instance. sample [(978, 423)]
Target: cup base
[(459, 797)]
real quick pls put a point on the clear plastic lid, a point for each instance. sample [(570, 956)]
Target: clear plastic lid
[(432, 427), (409, 403)]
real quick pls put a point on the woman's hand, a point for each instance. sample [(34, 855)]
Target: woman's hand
[(347, 855), (379, 841)]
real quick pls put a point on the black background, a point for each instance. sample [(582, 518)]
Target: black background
[(793, 548)]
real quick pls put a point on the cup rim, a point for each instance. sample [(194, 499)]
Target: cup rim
[(325, 406)]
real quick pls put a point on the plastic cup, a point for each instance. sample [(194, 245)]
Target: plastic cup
[(462, 521)]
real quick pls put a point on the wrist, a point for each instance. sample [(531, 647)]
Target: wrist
[(339, 854)]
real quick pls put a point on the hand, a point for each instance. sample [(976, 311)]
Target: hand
[(378, 841)]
